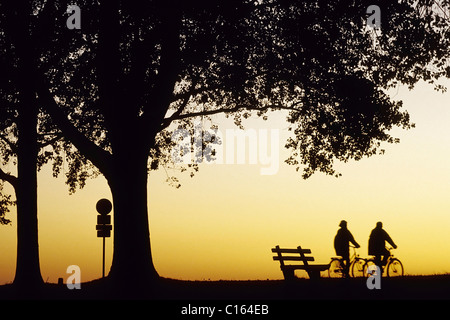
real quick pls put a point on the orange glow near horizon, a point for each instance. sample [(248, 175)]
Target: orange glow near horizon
[(222, 223)]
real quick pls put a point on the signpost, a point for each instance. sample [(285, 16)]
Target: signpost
[(104, 227)]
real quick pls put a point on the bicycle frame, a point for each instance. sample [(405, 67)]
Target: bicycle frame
[(391, 256), (390, 260), (353, 258)]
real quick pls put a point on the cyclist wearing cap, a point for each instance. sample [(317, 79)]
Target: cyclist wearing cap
[(342, 245)]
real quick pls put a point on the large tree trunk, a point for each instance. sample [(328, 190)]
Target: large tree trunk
[(132, 265), (28, 274)]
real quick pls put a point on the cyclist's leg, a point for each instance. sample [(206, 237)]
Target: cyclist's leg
[(385, 260), (377, 261), (386, 255), (346, 265)]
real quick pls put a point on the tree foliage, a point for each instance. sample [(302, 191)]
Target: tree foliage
[(176, 62)]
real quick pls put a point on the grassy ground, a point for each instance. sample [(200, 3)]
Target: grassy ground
[(435, 287)]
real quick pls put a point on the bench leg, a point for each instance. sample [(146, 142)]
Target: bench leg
[(314, 274), (288, 274)]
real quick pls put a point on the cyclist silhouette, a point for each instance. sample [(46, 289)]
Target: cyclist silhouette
[(377, 246), (342, 245)]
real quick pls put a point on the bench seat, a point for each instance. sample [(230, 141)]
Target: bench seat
[(313, 270)]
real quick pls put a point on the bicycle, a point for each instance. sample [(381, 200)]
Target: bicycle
[(394, 267), (356, 267)]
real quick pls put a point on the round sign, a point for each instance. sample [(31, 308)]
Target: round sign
[(104, 206)]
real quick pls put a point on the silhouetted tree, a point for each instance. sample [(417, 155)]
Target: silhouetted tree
[(137, 70), (18, 90), (28, 139)]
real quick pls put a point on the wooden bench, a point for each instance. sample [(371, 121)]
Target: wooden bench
[(288, 270)]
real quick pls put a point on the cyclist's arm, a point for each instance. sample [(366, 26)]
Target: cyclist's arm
[(390, 241), (352, 240)]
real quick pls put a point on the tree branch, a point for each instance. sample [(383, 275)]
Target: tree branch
[(194, 91), (168, 121), (8, 178), (162, 92), (180, 109), (140, 61), (99, 157), (11, 144), (58, 136)]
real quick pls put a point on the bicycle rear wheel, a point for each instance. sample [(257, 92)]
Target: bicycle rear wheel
[(357, 268), (395, 268), (335, 269)]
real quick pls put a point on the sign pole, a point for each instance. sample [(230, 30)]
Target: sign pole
[(103, 264), (104, 207)]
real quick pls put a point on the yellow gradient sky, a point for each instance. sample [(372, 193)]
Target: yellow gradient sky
[(222, 223)]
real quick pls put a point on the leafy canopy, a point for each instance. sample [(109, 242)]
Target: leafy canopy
[(136, 71)]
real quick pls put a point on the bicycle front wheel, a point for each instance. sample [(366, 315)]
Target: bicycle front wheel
[(357, 268), (368, 267), (395, 268), (335, 269)]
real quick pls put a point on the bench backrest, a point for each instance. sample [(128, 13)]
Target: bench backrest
[(300, 255)]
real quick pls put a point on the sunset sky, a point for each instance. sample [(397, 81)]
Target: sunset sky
[(222, 223)]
